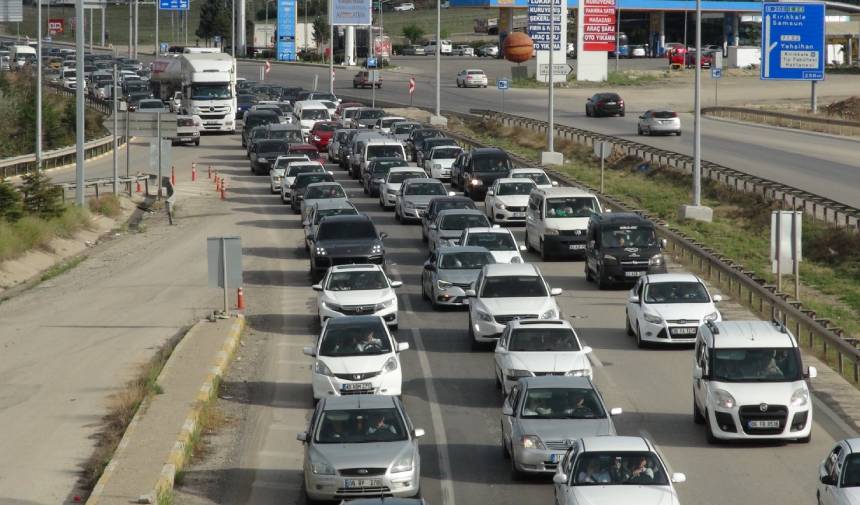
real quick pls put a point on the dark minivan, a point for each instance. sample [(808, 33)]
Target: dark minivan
[(344, 240), (620, 248), (257, 118), (474, 172)]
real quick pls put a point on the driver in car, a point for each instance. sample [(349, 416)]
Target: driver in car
[(379, 424), (368, 342)]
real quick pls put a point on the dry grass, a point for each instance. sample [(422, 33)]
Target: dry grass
[(106, 205), (33, 232)]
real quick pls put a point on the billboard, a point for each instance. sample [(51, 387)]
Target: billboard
[(56, 26), (286, 33), (598, 25), (351, 12), (11, 11)]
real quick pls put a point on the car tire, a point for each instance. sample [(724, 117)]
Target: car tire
[(587, 112), (641, 344), (397, 215), (602, 281), (678, 134), (505, 452), (364, 189), (529, 247), (638, 130), (627, 324), (197, 142), (588, 276), (498, 382), (516, 475), (698, 418), (622, 114), (544, 255)]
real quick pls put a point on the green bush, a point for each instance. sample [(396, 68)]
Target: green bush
[(11, 207), (41, 197)]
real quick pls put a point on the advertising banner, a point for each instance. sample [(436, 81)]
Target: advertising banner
[(598, 25), (351, 12), (286, 41)]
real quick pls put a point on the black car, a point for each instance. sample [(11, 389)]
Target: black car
[(416, 139), (620, 248), (344, 240), (344, 149), (265, 152), (377, 169), (257, 118), (428, 144), (475, 171), (301, 183), (439, 204), (604, 104)]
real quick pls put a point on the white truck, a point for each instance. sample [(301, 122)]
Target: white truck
[(207, 83), (23, 55)]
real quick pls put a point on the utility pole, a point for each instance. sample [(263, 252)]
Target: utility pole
[(330, 46), (38, 84), (550, 157), (157, 41), (136, 27), (233, 28), (79, 103), (115, 96), (103, 9), (92, 29), (130, 24), (437, 119)]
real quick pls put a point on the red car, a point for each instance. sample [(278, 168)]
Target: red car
[(322, 133), (309, 150), (690, 58)]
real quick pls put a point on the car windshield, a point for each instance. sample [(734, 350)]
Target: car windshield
[(427, 133), (326, 191), (398, 177), (296, 169), (214, 91), (275, 146), (513, 286), (260, 119), (319, 214), (425, 189), (315, 114), (324, 127), (543, 339), (151, 104), (515, 188), (259, 132), (307, 179), (452, 204), (355, 339), (629, 236), (492, 241), (383, 167), (360, 426), (851, 477), (288, 135), (388, 122), (473, 260), (756, 365), (247, 99), (463, 221), (619, 468), (676, 292), (664, 114), (445, 153), (404, 128), (570, 207), (492, 163), (562, 403), (349, 230), (370, 114), (384, 151), (356, 280)]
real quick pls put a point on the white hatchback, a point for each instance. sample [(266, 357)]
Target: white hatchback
[(499, 241), (507, 200), (356, 356), (353, 290)]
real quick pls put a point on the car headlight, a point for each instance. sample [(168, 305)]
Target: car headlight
[(376, 249), (532, 442), (443, 285), (656, 260), (608, 258), (320, 251), (800, 397), (332, 306), (499, 205), (724, 399), (483, 316), (712, 316), (516, 259), (579, 373), (652, 318), (390, 365), (515, 374), (316, 138), (409, 205), (475, 182), (437, 166), (550, 314), (550, 231), (321, 368), (386, 304), (403, 464), (322, 467), (261, 159)]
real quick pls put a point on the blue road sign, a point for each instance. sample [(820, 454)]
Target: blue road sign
[(792, 41), (162, 46), (716, 73), (371, 62), (286, 44), (502, 84), (173, 5)]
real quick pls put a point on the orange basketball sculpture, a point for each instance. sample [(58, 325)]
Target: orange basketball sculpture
[(518, 47)]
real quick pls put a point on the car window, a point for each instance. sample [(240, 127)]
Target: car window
[(472, 260), (756, 365), (445, 153), (355, 339), (384, 151), (360, 426), (492, 241), (304, 169), (425, 189), (851, 471), (629, 236), (491, 163), (513, 286), (570, 207), (515, 188), (321, 213), (463, 221), (327, 191), (347, 230), (676, 292), (543, 339), (562, 403), (356, 280), (619, 468)]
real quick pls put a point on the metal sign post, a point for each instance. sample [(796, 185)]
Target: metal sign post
[(785, 245), (114, 96), (601, 152), (224, 258), (502, 85)]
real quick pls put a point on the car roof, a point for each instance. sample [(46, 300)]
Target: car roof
[(615, 443), (556, 381), (460, 248), (449, 146), (283, 126), (540, 323), (383, 142), (621, 218), (333, 203), (504, 269), (302, 147), (488, 150), (355, 218), (518, 180), (396, 170), (455, 198), (450, 212), (324, 183), (556, 192), (422, 180), (853, 444), (748, 334), (357, 266), (358, 401), (672, 277)]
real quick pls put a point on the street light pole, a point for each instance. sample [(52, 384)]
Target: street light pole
[(79, 103), (437, 119), (114, 97), (136, 27), (331, 47), (39, 85), (233, 27), (550, 137), (157, 12), (130, 22)]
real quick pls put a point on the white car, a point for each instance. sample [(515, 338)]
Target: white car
[(356, 355), (617, 470), (439, 162), (389, 188), (499, 241), (839, 474), (293, 168), (472, 78), (535, 347), (361, 289), (383, 124), (669, 308), (504, 292), (537, 175), (407, 6), (506, 200)]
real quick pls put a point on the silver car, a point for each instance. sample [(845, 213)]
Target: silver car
[(321, 191), (400, 131), (414, 197), (360, 445), (542, 416), (450, 271), (449, 225), (663, 122)]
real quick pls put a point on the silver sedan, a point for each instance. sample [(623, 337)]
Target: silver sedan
[(450, 271), (663, 122)]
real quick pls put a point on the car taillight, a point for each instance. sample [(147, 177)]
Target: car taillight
[(601, 102)]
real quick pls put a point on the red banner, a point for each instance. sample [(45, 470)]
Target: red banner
[(55, 26), (598, 29)]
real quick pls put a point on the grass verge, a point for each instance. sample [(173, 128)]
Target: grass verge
[(106, 205), (61, 268), (33, 232)]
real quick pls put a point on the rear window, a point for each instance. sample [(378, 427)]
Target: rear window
[(315, 114), (274, 146), (304, 169), (307, 179), (463, 221), (384, 151), (325, 127), (447, 153), (347, 230), (425, 189), (476, 72), (398, 177), (664, 114), (327, 191), (371, 114)]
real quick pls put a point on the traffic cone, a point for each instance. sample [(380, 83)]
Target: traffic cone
[(240, 303), (223, 193), (172, 175), (210, 170), (138, 189), (193, 171)]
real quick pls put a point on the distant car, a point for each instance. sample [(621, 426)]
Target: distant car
[(362, 80), (637, 52), (439, 160), (321, 134), (472, 78), (414, 50), (152, 105), (187, 130), (604, 104), (406, 6), (499, 241), (463, 50), (449, 272), (489, 50), (384, 124), (244, 104), (357, 290), (690, 58), (659, 122)]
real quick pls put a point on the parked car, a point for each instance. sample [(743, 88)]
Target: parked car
[(406, 6), (604, 104), (463, 50), (690, 58), (414, 50), (449, 272), (659, 122), (472, 78)]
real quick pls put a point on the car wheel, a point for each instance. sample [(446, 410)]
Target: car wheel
[(397, 215), (498, 382), (544, 255), (622, 114), (197, 142), (678, 134), (364, 188), (639, 342), (505, 452), (516, 474), (638, 130), (627, 324), (602, 281), (698, 418), (587, 112), (588, 276)]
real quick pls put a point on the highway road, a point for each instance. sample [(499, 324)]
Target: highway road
[(820, 164), (449, 389)]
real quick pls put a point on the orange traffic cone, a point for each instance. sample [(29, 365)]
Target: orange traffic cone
[(240, 303), (193, 171), (172, 175), (138, 189)]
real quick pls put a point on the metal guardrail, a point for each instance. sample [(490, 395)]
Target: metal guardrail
[(19, 165), (796, 121), (817, 206), (95, 184)]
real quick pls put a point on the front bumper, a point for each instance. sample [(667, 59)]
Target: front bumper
[(668, 333), (334, 487), (565, 245), (507, 215), (443, 174), (388, 383), (323, 263), (276, 184), (453, 296), (389, 199), (730, 424), (621, 273), (411, 212), (189, 137), (536, 460)]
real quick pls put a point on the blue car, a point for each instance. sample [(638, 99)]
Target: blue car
[(243, 104)]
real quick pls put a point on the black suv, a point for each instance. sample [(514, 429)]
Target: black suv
[(344, 240), (257, 118), (264, 153), (475, 171), (416, 139), (377, 169), (620, 248)]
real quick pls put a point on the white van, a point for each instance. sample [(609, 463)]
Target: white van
[(68, 78), (380, 149), (749, 382), (23, 55), (307, 113), (557, 220)]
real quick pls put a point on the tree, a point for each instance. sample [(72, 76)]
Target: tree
[(413, 32), (10, 202), (321, 31), (214, 20), (41, 198)]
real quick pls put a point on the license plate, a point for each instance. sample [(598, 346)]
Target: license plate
[(211, 122), (637, 273), (518, 214), (683, 331), (353, 483), (764, 424), (357, 386), (577, 247), (555, 458), (610, 103)]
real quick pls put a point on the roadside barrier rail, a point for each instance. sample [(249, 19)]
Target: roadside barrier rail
[(20, 165), (796, 121)]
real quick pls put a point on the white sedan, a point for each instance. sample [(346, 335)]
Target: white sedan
[(669, 308), (472, 78), (534, 347), (537, 175), (839, 474), (507, 200), (356, 355), (355, 290), (499, 241)]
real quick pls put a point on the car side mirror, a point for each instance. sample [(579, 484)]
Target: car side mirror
[(554, 183), (587, 349), (663, 243), (490, 192), (396, 284), (317, 287), (633, 299), (827, 480), (678, 478), (718, 298), (642, 117), (383, 236), (616, 411), (555, 291), (418, 432), (470, 293), (329, 172), (432, 226), (559, 478), (452, 193), (302, 436), (430, 267), (507, 410), (306, 223), (523, 248), (402, 346), (292, 186), (309, 351), (591, 244), (811, 372)]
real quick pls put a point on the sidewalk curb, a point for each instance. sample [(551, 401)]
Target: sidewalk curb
[(178, 456)]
